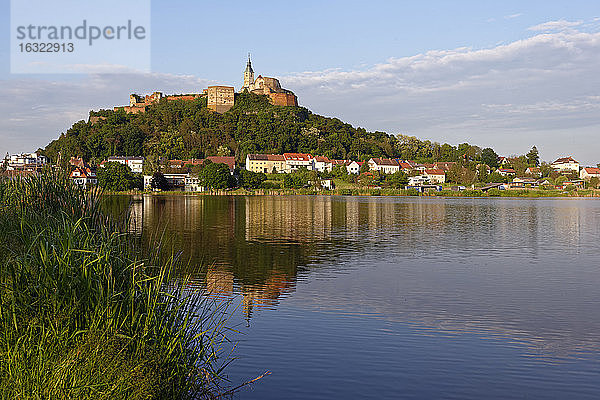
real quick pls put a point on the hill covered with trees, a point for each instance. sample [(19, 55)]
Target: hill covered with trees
[(188, 129)]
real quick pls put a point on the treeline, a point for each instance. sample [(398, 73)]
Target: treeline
[(188, 129)]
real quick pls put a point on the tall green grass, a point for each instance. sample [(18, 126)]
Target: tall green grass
[(84, 315)]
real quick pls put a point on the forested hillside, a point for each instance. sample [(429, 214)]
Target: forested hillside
[(188, 129)]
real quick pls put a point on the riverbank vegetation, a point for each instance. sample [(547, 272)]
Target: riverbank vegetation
[(84, 315)]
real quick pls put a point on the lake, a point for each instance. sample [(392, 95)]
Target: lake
[(397, 297)]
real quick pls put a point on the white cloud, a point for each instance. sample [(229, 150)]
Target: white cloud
[(513, 16), (559, 25), (540, 90), (35, 111), (544, 86)]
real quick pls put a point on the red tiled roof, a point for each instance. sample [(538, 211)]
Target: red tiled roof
[(565, 160), (385, 161), (266, 157), (435, 172), (230, 161), (297, 156), (592, 170)]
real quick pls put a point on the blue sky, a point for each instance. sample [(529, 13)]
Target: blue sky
[(503, 74)]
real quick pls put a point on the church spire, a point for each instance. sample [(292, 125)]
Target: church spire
[(249, 65), (248, 75)]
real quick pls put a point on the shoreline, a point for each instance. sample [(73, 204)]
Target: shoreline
[(588, 193)]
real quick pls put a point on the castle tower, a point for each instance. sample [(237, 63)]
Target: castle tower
[(248, 75)]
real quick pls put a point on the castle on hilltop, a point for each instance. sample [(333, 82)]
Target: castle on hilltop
[(267, 87), (220, 98)]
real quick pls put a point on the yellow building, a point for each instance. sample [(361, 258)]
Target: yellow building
[(266, 163)]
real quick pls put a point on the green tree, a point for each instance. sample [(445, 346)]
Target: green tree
[(560, 180), (364, 168), (594, 182), (298, 179), (216, 176), (489, 157), (159, 182), (251, 180), (117, 177), (340, 172), (533, 157), (495, 177), (397, 179), (482, 173)]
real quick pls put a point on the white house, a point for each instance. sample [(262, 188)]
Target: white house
[(535, 171), (295, 161), (84, 177), (436, 175), (26, 161), (566, 165), (353, 167), (506, 172), (418, 180), (322, 164), (384, 165), (588, 173), (135, 164)]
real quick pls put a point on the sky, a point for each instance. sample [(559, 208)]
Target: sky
[(506, 75)]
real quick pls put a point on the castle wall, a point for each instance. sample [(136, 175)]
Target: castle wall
[(220, 98), (283, 99)]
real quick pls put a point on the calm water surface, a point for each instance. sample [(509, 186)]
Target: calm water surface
[(416, 298)]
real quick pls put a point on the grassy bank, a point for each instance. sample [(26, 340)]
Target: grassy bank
[(83, 315)]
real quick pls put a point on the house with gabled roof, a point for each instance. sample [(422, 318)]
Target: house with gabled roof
[(322, 164), (566, 165), (588, 173), (384, 165), (295, 161), (506, 171), (435, 175), (83, 176)]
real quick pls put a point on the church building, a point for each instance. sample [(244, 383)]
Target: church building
[(267, 87)]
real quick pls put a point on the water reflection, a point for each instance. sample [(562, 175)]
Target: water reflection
[(526, 270)]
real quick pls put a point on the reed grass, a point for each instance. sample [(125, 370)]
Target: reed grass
[(83, 314)]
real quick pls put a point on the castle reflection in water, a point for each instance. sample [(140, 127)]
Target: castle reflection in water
[(261, 246)]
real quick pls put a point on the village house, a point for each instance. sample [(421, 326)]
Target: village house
[(435, 175), (577, 184), (295, 161), (444, 165), (135, 164), (25, 162), (322, 164), (524, 183), (354, 167), (227, 160), (265, 163), (534, 171), (175, 181), (506, 171), (84, 177), (566, 165), (418, 180), (384, 165), (405, 166), (588, 173)]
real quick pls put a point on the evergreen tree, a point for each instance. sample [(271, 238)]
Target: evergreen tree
[(533, 157), (489, 157)]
